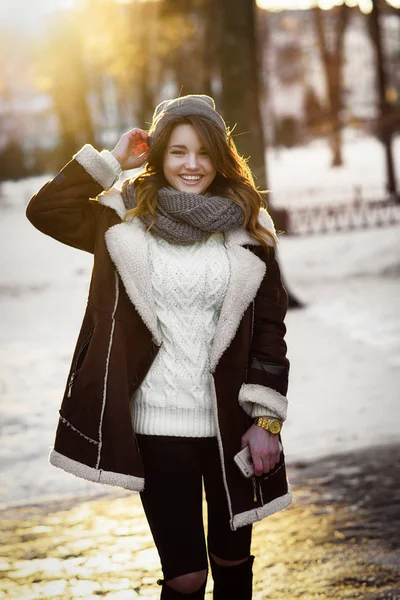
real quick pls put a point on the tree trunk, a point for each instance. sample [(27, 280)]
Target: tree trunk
[(64, 65), (240, 82), (385, 109), (333, 60), (241, 89), (146, 12), (210, 44), (189, 58)]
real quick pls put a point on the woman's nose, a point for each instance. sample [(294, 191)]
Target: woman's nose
[(192, 161)]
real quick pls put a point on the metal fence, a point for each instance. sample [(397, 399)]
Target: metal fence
[(328, 219), (332, 215)]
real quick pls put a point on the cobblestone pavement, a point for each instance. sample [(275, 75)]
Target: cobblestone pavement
[(339, 540)]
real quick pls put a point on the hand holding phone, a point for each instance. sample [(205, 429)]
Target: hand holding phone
[(245, 463)]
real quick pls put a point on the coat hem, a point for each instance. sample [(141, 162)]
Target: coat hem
[(256, 514), (128, 482)]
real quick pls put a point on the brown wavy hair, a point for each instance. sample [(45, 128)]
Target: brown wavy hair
[(233, 180)]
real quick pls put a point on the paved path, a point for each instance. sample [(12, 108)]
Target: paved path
[(340, 540)]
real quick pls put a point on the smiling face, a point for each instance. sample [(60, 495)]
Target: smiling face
[(187, 165)]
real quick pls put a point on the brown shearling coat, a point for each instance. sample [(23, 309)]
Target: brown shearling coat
[(119, 339)]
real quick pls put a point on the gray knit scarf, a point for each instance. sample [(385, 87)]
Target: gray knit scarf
[(185, 218)]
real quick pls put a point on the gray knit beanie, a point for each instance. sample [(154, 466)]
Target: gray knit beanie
[(185, 106)]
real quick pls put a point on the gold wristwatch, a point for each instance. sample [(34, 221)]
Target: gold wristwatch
[(272, 425)]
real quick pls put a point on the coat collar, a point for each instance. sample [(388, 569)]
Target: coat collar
[(128, 248)]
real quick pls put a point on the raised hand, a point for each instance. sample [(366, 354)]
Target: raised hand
[(132, 150)]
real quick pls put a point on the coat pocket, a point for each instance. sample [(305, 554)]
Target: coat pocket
[(80, 356)]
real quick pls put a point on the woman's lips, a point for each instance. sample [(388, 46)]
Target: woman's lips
[(191, 179)]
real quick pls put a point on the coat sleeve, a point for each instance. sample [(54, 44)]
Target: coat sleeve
[(264, 393), (64, 208)]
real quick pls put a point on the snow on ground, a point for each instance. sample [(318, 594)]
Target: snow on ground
[(344, 346), (296, 176)]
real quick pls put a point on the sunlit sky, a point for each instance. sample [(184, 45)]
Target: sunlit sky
[(31, 14)]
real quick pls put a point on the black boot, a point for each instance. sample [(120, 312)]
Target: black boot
[(170, 594), (233, 583)]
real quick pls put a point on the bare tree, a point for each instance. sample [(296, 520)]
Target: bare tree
[(241, 89), (387, 116), (331, 28), (15, 51), (191, 43), (62, 72), (239, 65)]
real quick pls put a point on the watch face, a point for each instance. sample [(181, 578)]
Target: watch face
[(275, 427)]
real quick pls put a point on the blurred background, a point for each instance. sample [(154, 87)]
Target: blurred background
[(284, 72), (312, 91)]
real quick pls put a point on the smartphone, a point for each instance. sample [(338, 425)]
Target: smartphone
[(244, 461)]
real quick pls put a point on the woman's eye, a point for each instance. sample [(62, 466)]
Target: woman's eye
[(177, 152)]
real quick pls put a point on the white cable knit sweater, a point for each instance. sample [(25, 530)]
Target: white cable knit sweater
[(189, 285)]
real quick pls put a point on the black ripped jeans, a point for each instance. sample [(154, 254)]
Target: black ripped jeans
[(175, 468)]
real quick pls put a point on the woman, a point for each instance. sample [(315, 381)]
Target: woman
[(181, 359)]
